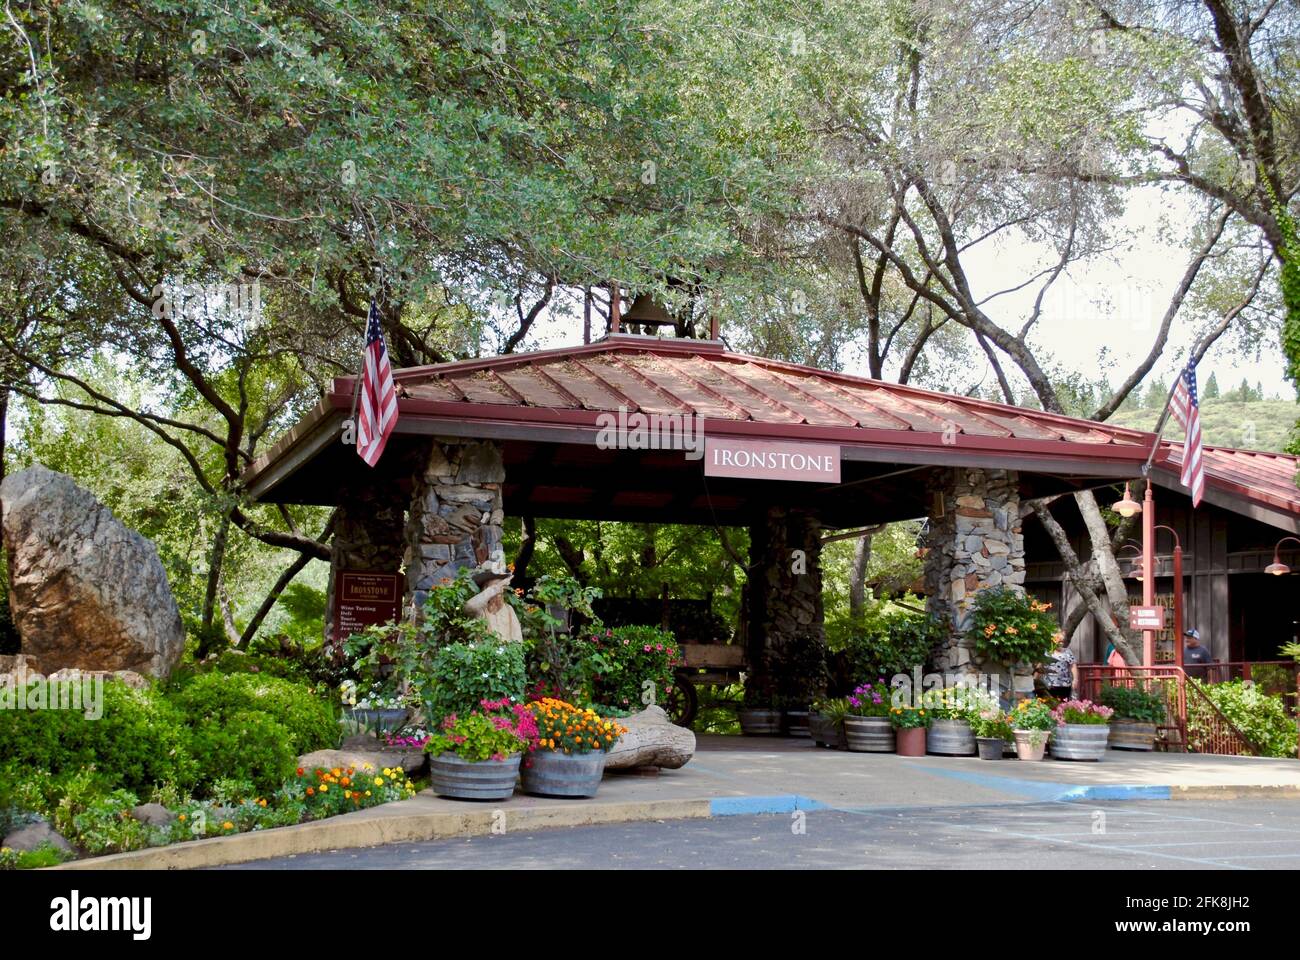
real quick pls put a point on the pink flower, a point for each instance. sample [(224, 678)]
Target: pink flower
[(647, 648)]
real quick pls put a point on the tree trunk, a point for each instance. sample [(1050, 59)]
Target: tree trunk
[(858, 576), (1083, 582), (214, 571)]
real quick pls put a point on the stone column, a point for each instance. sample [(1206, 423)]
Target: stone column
[(976, 542), (367, 537), (786, 645), (455, 515)]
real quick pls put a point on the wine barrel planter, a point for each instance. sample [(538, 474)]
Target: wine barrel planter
[(759, 722), (1132, 735), (1031, 744), (911, 741), (1080, 741), (796, 723), (826, 732), (869, 734), (951, 738), (990, 748), (450, 776), (549, 773), (382, 720)]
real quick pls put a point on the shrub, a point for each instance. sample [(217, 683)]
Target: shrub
[(245, 745), (493, 733), (1134, 703), (139, 741), (1260, 716), (882, 643), (309, 722), (563, 727), (1082, 711), (463, 674), (630, 666)]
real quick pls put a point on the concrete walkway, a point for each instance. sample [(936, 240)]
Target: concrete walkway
[(734, 776)]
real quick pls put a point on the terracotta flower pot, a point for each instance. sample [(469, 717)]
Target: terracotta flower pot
[(1031, 744), (911, 741)]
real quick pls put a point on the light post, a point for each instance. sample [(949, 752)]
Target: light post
[(1128, 507)]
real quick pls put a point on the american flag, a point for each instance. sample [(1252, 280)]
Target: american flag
[(1186, 407), (378, 395)]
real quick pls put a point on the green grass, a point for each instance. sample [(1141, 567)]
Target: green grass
[(1251, 425)]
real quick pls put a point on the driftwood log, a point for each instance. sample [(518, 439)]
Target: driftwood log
[(652, 740)]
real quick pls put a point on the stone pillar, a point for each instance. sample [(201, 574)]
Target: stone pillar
[(786, 644), (455, 515), (976, 542), (367, 537)]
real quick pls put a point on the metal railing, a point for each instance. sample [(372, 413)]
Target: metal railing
[(1200, 725)]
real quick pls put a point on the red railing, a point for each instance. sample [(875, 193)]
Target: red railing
[(1192, 719)]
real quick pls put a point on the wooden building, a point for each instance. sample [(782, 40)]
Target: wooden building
[(1242, 613)]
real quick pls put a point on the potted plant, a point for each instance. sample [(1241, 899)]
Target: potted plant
[(1137, 714), (867, 727), (910, 723), (826, 723), (378, 708), (476, 756), (1082, 728), (992, 729), (567, 755), (759, 716), (952, 708), (1032, 723)]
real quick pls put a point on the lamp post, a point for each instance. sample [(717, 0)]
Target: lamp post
[(1277, 568), (1128, 507)]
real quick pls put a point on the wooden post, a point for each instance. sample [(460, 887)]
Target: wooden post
[(1178, 605), (614, 311), (586, 315)]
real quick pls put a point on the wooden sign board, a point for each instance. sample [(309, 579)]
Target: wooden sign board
[(1146, 618), (771, 460), (362, 599)]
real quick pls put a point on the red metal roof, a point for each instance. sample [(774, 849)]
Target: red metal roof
[(1265, 478), (739, 394)]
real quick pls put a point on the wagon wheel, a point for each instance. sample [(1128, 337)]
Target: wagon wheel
[(682, 702)]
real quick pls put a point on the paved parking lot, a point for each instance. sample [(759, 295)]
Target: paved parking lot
[(1231, 835)]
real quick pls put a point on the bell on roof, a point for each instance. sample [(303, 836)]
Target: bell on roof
[(648, 312)]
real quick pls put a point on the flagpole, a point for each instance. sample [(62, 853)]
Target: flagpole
[(1160, 425), (356, 381)]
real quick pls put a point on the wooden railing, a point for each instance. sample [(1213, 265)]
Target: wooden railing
[(1199, 724)]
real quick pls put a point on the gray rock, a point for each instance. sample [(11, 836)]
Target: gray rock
[(481, 463), (33, 837), (85, 590), (409, 760), (153, 814)]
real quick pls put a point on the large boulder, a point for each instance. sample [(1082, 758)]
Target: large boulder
[(652, 740), (85, 590)]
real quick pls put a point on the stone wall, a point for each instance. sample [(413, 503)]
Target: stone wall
[(786, 638), (367, 537), (455, 515), (976, 543)]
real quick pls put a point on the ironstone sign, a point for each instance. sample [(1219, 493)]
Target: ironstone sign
[(771, 460), (363, 599)]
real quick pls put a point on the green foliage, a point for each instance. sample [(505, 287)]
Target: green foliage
[(1011, 628), (462, 675), (1134, 703), (1032, 714), (909, 717), (630, 666), (1260, 716), (991, 723), (246, 745), (1255, 424), (308, 721), (884, 641), (475, 736), (140, 740), (556, 661)]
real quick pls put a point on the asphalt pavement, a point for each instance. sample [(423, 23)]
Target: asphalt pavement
[(1134, 834)]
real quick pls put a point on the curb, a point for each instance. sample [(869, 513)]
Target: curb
[(368, 830)]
